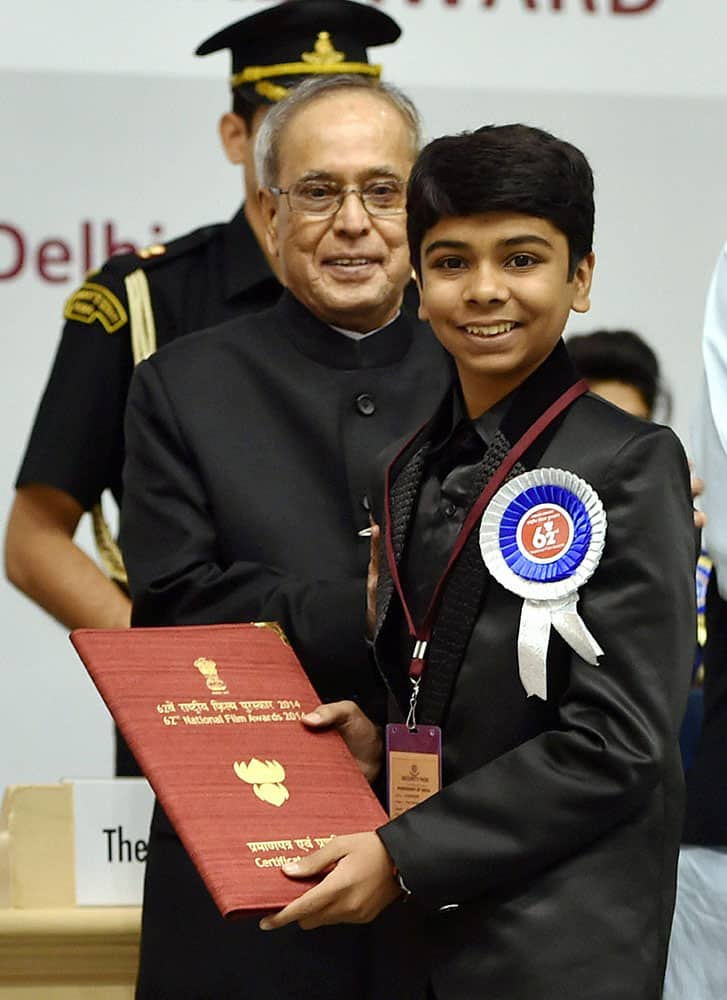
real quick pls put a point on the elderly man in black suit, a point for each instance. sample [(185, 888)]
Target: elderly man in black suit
[(245, 483)]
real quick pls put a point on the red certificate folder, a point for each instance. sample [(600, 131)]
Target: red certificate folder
[(212, 715)]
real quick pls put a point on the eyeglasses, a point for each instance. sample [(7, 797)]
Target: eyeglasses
[(379, 197)]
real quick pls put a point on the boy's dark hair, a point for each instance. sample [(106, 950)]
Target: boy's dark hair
[(619, 356), (502, 168)]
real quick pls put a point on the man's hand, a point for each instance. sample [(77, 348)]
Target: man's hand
[(362, 737), (697, 484), (372, 581), (360, 883)]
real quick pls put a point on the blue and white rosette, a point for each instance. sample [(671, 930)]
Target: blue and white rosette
[(541, 538)]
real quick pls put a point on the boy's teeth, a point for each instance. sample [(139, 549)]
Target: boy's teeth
[(489, 331), (352, 261)]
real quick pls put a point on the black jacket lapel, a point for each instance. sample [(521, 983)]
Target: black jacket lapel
[(461, 600), (402, 498)]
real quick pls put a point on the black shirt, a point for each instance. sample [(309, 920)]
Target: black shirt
[(447, 493)]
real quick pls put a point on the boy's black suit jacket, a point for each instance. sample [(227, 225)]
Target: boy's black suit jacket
[(557, 831)]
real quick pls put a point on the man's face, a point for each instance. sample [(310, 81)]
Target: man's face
[(350, 268), (495, 289)]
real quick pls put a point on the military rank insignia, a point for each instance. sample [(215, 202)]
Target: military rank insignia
[(93, 303), (541, 538), (155, 250)]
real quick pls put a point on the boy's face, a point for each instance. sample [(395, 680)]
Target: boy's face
[(495, 289)]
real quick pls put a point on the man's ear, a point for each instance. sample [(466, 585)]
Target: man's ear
[(422, 310), (268, 205), (235, 137), (582, 283)]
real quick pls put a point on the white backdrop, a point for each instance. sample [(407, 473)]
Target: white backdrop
[(109, 124)]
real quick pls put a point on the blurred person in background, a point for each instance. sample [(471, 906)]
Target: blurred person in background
[(622, 368)]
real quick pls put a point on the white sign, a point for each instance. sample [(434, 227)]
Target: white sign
[(111, 836)]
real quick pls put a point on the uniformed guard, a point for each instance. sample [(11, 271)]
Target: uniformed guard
[(140, 301)]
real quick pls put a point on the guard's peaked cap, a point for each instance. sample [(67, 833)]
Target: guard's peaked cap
[(275, 48)]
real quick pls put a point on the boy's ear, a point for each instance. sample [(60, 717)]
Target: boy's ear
[(582, 283), (235, 136)]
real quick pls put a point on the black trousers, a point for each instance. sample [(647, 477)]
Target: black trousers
[(125, 765)]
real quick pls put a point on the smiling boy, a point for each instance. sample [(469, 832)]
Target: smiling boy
[(535, 602)]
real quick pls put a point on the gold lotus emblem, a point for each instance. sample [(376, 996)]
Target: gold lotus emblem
[(266, 778)]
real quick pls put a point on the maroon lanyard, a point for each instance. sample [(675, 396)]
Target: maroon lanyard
[(423, 634)]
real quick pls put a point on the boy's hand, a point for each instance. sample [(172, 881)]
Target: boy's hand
[(360, 883), (361, 736)]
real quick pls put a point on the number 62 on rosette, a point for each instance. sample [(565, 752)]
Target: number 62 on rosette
[(541, 538)]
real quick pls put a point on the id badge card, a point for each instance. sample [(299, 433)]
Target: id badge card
[(413, 765)]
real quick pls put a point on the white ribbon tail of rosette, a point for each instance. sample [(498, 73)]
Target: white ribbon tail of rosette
[(536, 620)]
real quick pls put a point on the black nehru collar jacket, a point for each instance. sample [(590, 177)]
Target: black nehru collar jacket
[(320, 342)]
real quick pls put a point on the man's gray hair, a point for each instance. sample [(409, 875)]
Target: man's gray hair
[(267, 142)]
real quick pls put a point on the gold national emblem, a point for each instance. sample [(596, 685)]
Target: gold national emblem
[(323, 53), (266, 778), (208, 669), (92, 303)]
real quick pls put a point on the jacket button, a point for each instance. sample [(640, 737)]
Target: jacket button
[(365, 404)]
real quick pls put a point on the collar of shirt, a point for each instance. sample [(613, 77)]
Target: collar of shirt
[(447, 491), (455, 426), (355, 335)]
